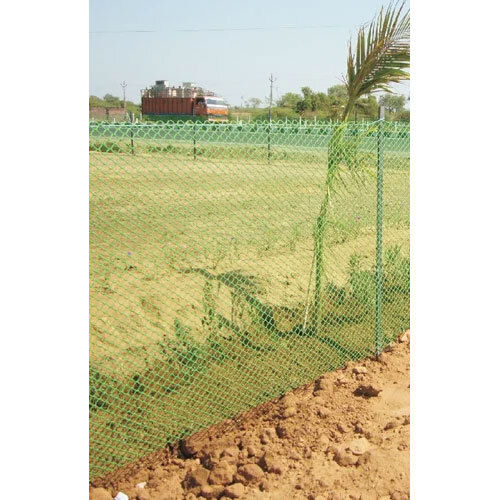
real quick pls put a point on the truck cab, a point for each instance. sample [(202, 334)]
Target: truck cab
[(212, 107)]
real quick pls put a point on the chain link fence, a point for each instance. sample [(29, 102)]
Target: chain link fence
[(202, 269)]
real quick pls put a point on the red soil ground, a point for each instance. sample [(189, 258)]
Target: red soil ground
[(343, 437)]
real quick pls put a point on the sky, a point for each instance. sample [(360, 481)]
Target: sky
[(227, 46)]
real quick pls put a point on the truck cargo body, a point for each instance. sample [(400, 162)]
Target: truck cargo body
[(168, 106)]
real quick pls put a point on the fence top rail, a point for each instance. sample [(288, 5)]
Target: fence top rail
[(249, 125)]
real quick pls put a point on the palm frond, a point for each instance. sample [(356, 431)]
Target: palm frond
[(381, 56), (348, 154)]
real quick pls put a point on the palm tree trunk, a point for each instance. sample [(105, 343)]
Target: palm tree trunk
[(318, 259), (319, 233)]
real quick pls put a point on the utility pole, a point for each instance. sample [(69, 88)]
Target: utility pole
[(272, 80), (123, 85)]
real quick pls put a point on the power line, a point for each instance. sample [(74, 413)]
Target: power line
[(261, 28), (120, 31), (193, 30)]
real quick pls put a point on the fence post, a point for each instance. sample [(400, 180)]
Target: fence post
[(380, 220), (269, 142), (132, 138), (194, 140)]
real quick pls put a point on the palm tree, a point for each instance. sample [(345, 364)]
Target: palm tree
[(382, 57)]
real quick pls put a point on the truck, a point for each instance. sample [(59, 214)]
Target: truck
[(161, 102)]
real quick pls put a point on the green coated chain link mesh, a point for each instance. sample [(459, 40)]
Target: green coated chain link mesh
[(204, 269)]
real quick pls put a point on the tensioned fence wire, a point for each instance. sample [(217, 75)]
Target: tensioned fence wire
[(202, 269)]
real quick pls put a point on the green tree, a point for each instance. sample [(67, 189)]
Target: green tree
[(289, 100), (381, 57), (321, 102), (367, 108), (254, 102), (403, 115), (112, 100), (393, 102), (337, 93), (312, 101), (338, 100), (306, 103), (95, 101)]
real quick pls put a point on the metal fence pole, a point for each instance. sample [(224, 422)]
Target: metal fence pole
[(380, 200), (132, 138), (194, 140), (269, 142)]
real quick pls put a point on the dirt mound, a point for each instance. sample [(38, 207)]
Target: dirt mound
[(343, 437)]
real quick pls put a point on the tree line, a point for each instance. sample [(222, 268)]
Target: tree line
[(112, 101), (329, 105)]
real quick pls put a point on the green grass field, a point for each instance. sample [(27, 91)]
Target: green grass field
[(200, 284)]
